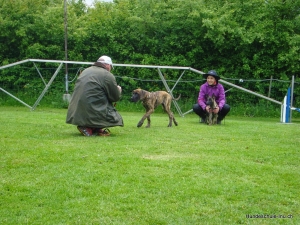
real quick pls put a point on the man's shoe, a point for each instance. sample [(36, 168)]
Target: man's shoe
[(202, 120), (86, 131), (104, 132), (219, 122)]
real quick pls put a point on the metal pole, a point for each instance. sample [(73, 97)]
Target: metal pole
[(47, 87), (66, 45), (1, 89), (270, 86), (292, 97), (66, 96), (169, 91), (251, 92), (288, 106)]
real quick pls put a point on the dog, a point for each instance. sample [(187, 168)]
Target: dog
[(150, 101), (211, 117)]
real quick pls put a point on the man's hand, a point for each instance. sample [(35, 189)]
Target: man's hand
[(120, 89)]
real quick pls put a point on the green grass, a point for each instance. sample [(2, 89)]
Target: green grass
[(190, 174)]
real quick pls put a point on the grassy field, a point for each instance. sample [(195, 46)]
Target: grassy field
[(190, 174)]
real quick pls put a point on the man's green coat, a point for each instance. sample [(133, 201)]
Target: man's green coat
[(92, 101)]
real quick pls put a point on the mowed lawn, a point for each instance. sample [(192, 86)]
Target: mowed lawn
[(189, 174)]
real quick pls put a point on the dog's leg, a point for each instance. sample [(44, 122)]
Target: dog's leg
[(215, 118), (210, 118), (175, 122), (166, 107), (171, 116), (148, 122), (148, 113)]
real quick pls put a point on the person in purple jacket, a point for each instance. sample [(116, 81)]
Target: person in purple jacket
[(209, 88)]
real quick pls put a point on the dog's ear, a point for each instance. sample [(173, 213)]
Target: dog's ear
[(142, 94)]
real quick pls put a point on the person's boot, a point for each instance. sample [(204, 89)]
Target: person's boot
[(219, 120)]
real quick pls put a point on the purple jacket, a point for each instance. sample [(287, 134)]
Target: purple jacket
[(206, 90)]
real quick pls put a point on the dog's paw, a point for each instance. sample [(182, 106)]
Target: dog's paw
[(140, 124)]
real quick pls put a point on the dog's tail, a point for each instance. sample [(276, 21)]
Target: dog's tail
[(177, 98)]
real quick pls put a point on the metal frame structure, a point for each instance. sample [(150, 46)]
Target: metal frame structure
[(61, 62), (170, 90)]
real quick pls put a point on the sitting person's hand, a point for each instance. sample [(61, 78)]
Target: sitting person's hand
[(216, 110), (208, 109)]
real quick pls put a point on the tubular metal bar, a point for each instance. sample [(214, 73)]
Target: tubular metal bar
[(132, 65), (228, 89), (292, 97), (191, 110), (169, 91), (47, 87), (14, 64), (61, 61), (115, 64), (90, 63), (15, 97), (177, 81), (153, 66), (251, 92), (177, 107), (37, 69), (164, 81), (196, 71)]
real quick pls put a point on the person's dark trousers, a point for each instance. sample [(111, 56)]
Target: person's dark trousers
[(202, 113)]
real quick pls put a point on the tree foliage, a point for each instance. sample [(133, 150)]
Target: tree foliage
[(240, 39)]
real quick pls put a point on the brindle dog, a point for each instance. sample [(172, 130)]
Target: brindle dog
[(211, 117), (150, 101)]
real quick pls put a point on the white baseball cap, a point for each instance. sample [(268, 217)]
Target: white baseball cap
[(105, 59)]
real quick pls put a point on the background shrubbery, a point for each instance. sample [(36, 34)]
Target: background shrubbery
[(251, 40)]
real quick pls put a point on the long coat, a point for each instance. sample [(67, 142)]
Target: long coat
[(92, 101)]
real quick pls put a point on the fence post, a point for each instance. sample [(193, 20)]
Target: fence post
[(270, 87), (287, 106)]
